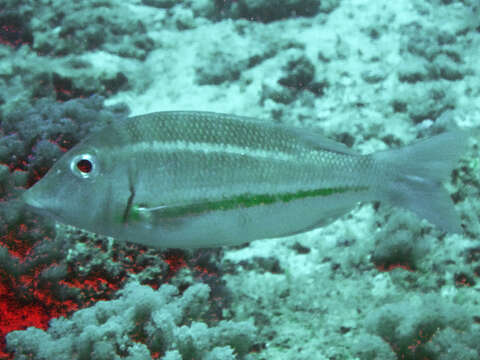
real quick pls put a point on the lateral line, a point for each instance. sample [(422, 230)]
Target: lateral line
[(244, 201)]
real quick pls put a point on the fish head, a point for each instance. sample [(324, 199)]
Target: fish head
[(75, 189)]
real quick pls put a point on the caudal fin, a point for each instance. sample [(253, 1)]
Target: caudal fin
[(415, 174)]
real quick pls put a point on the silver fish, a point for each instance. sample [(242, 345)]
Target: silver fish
[(201, 179)]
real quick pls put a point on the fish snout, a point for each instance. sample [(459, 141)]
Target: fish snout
[(31, 200)]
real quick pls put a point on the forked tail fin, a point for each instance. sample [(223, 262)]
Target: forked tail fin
[(415, 173)]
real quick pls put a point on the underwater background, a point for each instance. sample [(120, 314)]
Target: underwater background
[(379, 283)]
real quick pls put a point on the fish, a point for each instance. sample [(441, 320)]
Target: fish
[(189, 179)]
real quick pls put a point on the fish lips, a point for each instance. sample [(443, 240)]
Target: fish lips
[(36, 205)]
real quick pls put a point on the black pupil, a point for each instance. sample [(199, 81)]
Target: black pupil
[(85, 166)]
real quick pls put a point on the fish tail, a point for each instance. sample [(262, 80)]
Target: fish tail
[(414, 175)]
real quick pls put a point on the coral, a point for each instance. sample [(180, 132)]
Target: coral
[(162, 4), (76, 28), (452, 344), (221, 69), (425, 100), (267, 11), (399, 243), (14, 31), (411, 326), (297, 74), (169, 325), (434, 60), (371, 347)]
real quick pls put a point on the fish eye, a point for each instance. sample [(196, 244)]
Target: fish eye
[(84, 166)]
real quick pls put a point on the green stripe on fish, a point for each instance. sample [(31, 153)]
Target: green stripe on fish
[(144, 213)]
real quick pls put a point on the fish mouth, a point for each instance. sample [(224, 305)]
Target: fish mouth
[(37, 206), (31, 202)]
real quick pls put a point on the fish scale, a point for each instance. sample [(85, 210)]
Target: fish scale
[(243, 159), (196, 179)]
